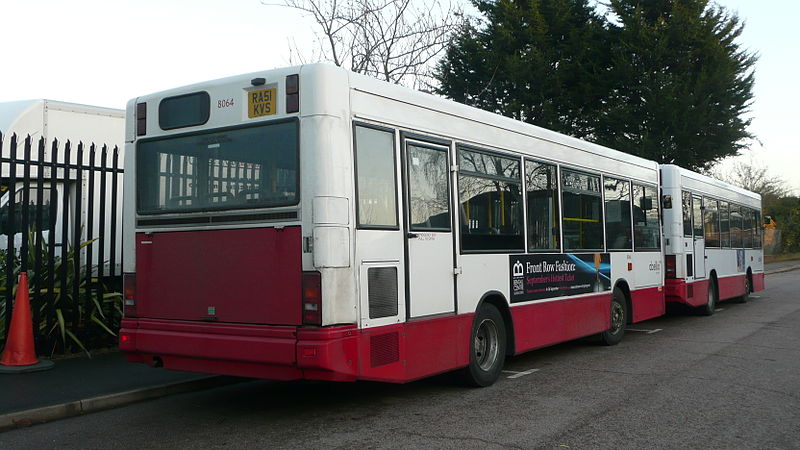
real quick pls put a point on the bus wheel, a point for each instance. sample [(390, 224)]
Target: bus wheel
[(711, 305), (619, 318), (487, 348), (748, 288)]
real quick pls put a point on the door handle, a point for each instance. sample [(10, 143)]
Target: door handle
[(412, 235)]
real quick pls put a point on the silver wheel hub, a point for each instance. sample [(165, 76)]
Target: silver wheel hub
[(486, 345), (617, 317)]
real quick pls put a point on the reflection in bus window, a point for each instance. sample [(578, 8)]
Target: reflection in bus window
[(724, 224), (581, 200), (646, 229), (711, 219), (686, 202), (617, 195), (32, 208), (377, 194), (542, 194), (490, 193), (736, 226), (757, 229), (427, 186), (747, 227), (242, 168)]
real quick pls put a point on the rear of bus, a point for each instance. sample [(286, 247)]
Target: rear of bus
[(221, 275)]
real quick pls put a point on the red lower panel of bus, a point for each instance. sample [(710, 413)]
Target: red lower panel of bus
[(546, 323), (730, 287), (696, 293), (396, 353), (647, 303), (758, 282)]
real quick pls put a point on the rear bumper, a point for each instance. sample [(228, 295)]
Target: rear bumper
[(274, 352)]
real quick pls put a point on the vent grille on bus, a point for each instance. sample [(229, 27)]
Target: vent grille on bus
[(382, 291), (384, 349), (690, 291)]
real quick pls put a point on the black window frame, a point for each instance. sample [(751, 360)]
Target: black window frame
[(206, 210), (687, 213), (359, 225), (714, 213), (602, 208), (557, 199), (421, 142), (520, 181), (656, 203), (630, 248), (205, 116)]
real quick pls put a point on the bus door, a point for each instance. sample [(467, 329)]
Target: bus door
[(698, 238), (430, 278)]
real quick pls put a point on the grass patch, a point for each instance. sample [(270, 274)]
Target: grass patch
[(778, 258)]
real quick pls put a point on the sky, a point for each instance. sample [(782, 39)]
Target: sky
[(105, 52)]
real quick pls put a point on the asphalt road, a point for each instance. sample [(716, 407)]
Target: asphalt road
[(731, 380)]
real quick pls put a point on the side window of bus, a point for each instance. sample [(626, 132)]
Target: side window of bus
[(736, 226), (375, 178), (541, 183), (758, 226), (617, 195), (490, 197), (582, 211), (697, 216), (21, 211), (646, 231), (711, 220), (429, 198), (724, 224), (747, 227), (687, 213)]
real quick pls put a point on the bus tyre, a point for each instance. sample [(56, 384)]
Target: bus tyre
[(487, 347), (619, 318), (748, 288), (711, 305)]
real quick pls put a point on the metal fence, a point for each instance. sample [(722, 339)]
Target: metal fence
[(60, 214)]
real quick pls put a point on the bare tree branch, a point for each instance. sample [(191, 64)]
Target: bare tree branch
[(394, 40), (755, 177)]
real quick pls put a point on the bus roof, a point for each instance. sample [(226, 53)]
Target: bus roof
[(711, 186)]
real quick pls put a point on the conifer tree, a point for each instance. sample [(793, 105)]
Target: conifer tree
[(538, 61), (682, 83), (662, 79)]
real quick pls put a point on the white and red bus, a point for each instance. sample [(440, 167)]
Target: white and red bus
[(712, 240), (312, 223)]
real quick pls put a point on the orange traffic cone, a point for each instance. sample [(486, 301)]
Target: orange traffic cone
[(19, 354)]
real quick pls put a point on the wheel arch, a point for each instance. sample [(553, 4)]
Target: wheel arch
[(498, 300), (714, 280), (750, 279), (622, 284)]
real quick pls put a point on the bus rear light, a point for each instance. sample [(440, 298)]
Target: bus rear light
[(141, 119), (129, 294), (312, 298), (292, 93), (669, 264)]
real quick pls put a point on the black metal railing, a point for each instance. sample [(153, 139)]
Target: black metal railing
[(60, 219)]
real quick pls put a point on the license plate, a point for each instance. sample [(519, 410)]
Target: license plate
[(261, 103)]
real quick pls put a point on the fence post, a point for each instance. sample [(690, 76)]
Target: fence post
[(37, 299), (51, 244), (76, 276)]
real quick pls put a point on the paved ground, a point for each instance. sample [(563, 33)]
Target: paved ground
[(731, 380)]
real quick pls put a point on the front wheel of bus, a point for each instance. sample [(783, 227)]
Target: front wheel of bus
[(619, 318), (487, 348)]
